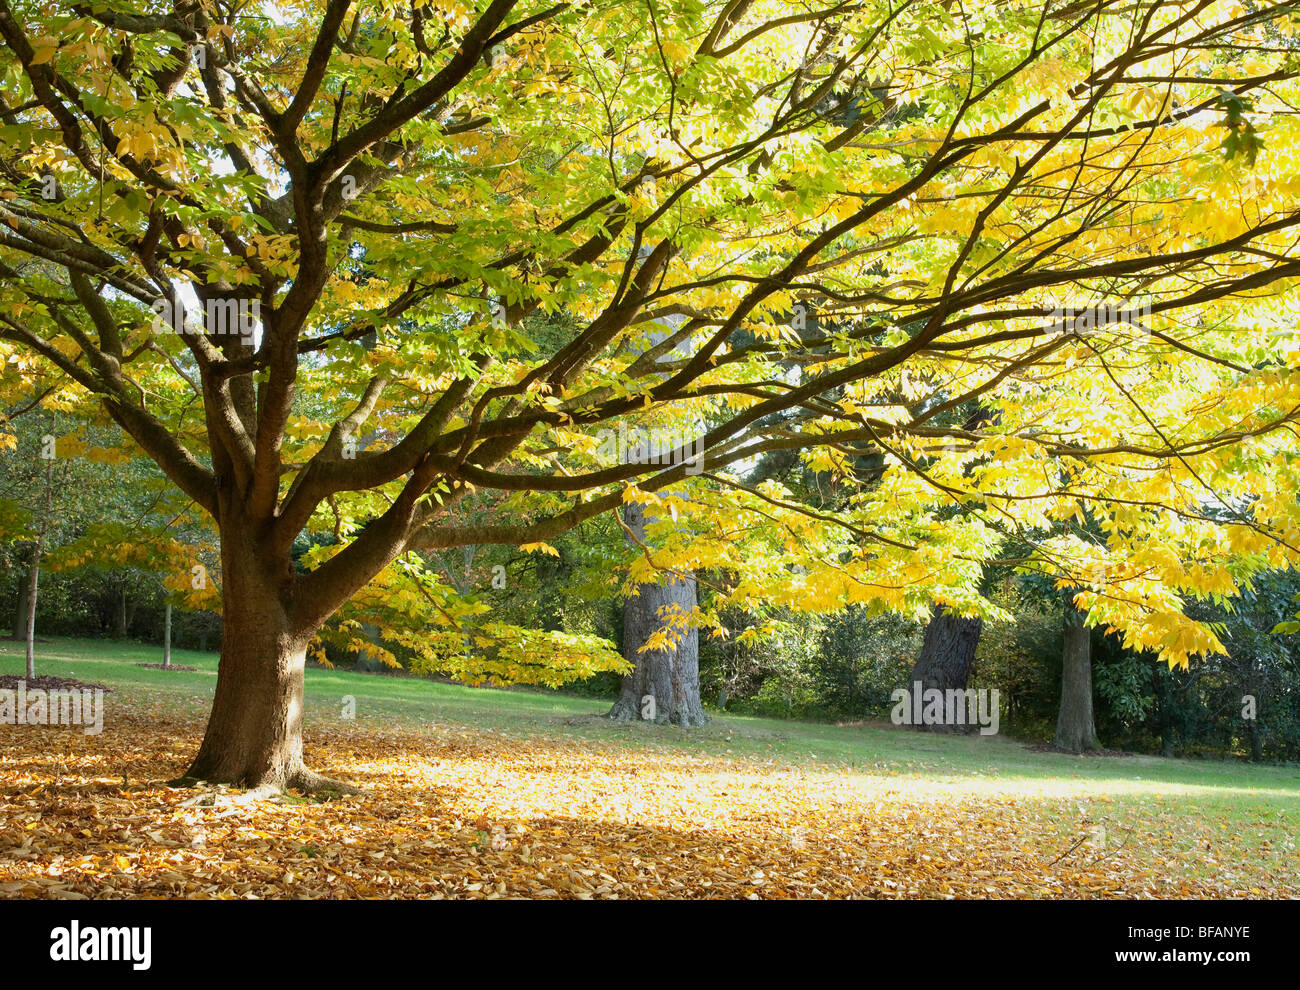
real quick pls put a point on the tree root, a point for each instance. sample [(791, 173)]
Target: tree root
[(214, 794), (683, 718), (310, 782)]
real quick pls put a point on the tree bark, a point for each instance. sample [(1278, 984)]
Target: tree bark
[(1075, 730), (664, 685), (947, 658), (254, 734), (33, 577)]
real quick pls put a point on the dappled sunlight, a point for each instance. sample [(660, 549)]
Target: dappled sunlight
[(451, 812)]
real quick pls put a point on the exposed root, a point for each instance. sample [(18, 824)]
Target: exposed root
[(683, 718), (222, 795), (218, 796), (310, 782)]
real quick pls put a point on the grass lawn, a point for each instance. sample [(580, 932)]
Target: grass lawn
[(479, 792)]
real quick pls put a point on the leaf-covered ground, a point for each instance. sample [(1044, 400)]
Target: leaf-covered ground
[(569, 807)]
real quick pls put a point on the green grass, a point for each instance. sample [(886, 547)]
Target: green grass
[(416, 701), (1193, 803)]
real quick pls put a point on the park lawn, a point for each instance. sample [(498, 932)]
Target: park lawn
[(475, 792)]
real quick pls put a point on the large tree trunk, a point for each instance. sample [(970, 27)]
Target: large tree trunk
[(664, 687), (947, 658), (254, 734), (1075, 730)]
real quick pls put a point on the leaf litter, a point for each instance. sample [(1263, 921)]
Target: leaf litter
[(454, 813)]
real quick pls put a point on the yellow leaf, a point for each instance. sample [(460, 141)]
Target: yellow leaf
[(543, 547)]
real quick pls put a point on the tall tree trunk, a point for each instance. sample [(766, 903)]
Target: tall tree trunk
[(665, 685), (1075, 730), (254, 734), (947, 658), (33, 577)]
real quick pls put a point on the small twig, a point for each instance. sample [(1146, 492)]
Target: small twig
[(1067, 852)]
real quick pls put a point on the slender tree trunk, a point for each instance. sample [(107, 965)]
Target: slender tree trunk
[(167, 635), (1075, 730), (947, 658), (33, 577), (664, 687)]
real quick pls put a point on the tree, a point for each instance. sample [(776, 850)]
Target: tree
[(659, 639), (1075, 729), (425, 178), (660, 643), (47, 491), (948, 649), (947, 656)]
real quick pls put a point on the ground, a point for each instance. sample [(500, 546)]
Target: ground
[(483, 793)]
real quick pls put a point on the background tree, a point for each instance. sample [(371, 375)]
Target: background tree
[(1075, 729), (660, 640), (661, 644), (947, 656), (49, 490)]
